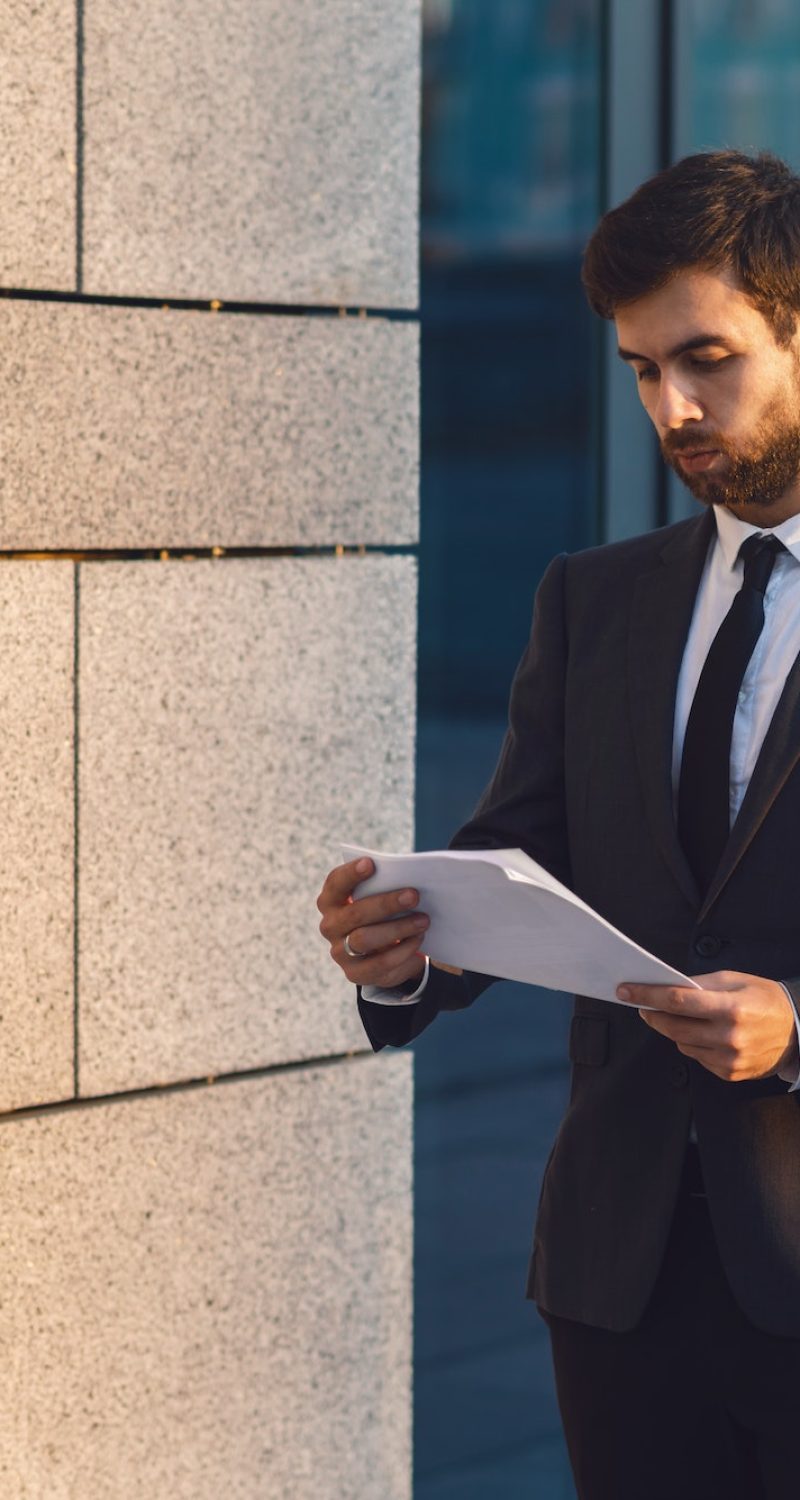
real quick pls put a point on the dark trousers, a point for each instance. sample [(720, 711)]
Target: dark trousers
[(693, 1404)]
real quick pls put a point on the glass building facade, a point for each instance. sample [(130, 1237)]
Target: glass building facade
[(537, 115)]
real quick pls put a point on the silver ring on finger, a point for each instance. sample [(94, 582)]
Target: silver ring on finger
[(352, 952)]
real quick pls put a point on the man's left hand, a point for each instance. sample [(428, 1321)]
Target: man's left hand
[(738, 1026)]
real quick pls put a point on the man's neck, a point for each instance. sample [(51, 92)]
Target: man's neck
[(768, 515)]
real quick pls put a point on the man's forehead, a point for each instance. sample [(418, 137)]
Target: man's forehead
[(693, 304)]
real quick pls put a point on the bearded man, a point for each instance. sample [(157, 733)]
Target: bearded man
[(652, 763)]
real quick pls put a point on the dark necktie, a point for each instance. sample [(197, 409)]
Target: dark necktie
[(704, 788)]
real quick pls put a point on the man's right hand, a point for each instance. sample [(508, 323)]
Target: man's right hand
[(385, 929)]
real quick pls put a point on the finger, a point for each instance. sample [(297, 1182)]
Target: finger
[(690, 1033), (710, 1058), (721, 1061), (385, 969), (339, 920), (384, 935), (671, 998), (342, 881), (412, 967)]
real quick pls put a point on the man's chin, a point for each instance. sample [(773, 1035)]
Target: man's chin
[(716, 489), (759, 483), (739, 501), (708, 490)]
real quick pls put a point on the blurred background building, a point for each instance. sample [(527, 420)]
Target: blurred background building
[(537, 114)]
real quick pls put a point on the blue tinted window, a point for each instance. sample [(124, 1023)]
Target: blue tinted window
[(510, 170), (737, 79)]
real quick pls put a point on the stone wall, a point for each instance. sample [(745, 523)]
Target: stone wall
[(208, 507)]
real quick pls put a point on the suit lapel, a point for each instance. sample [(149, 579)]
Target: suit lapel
[(776, 760), (661, 613)]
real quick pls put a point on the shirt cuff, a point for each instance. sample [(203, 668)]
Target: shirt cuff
[(400, 995), (791, 1075)]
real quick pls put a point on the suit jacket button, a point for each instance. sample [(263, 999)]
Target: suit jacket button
[(707, 945), (679, 1075)]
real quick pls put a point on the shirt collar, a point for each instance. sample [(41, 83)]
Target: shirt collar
[(731, 532)]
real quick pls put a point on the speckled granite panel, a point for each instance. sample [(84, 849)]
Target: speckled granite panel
[(253, 150), (37, 144), (130, 427), (206, 1293), (36, 818), (238, 719)]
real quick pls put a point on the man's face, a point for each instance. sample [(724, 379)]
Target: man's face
[(723, 396)]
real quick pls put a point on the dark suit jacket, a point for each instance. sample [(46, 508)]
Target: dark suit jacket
[(583, 785)]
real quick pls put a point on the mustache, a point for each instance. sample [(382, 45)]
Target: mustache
[(691, 442)]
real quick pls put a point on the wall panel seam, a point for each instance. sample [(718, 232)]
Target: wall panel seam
[(79, 138), (341, 550), (213, 305), (76, 830), (187, 1085)]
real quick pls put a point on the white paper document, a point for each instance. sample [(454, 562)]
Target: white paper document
[(498, 912)]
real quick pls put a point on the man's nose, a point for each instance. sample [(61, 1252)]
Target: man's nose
[(676, 406)]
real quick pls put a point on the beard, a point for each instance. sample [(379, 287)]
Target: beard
[(760, 475)]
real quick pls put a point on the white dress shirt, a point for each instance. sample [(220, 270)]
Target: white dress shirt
[(776, 649)]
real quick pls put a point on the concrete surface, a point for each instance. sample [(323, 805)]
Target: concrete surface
[(36, 818), (38, 175), (252, 150), (133, 428), (238, 719), (204, 1293)]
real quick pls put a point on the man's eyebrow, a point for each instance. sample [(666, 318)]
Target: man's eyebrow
[(700, 341)]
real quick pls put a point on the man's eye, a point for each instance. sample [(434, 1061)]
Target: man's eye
[(647, 372), (707, 364)]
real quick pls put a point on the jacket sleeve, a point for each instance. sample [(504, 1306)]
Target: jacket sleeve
[(522, 807)]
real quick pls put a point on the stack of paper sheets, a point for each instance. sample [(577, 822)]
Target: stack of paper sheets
[(498, 912)]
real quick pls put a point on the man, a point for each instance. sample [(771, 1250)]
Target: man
[(652, 763)]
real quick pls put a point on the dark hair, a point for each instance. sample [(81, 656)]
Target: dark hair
[(715, 210)]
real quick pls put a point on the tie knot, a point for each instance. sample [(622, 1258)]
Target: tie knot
[(759, 553)]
